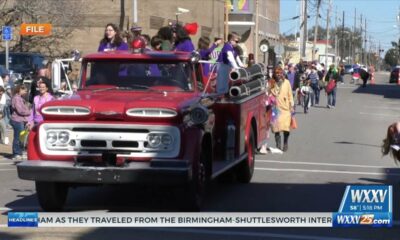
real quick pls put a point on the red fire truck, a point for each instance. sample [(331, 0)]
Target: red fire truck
[(144, 118)]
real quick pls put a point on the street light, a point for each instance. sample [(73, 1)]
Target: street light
[(179, 12)]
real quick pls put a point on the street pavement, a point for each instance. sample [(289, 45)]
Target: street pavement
[(331, 148)]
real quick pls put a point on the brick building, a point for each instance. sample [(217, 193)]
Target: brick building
[(245, 17)]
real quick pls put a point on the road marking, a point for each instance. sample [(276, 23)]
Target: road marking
[(11, 169), (320, 164), (384, 101), (244, 233), (323, 171), (7, 163), (380, 114), (389, 108)]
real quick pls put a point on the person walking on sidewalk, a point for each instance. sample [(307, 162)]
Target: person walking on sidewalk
[(314, 84), (285, 106), (332, 76), (305, 91), (3, 128), (19, 117)]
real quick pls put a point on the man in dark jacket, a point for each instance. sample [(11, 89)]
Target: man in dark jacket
[(364, 76)]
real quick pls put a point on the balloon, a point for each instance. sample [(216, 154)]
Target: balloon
[(191, 28)]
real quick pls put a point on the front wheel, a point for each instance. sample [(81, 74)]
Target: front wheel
[(195, 191), (52, 195), (245, 169)]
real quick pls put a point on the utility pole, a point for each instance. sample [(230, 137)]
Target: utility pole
[(369, 60), (343, 45), (365, 40), (303, 27), (362, 40), (255, 48), (353, 36), (336, 37), (316, 30), (327, 34), (226, 18)]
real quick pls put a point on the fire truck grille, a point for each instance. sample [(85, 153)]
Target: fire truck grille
[(124, 139), (93, 143), (125, 144)]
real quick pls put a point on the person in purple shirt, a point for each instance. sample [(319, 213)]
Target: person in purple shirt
[(19, 117), (183, 42), (112, 40), (227, 59), (205, 50)]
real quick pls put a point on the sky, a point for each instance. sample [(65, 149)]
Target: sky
[(382, 24)]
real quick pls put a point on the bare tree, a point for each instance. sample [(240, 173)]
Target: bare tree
[(64, 15)]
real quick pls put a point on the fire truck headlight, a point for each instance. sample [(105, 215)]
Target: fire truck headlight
[(51, 137), (63, 137), (154, 140), (166, 139)]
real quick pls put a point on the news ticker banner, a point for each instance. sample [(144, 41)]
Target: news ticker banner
[(361, 206), (176, 219)]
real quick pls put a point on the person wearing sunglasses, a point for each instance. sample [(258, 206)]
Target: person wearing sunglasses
[(391, 144), (227, 59)]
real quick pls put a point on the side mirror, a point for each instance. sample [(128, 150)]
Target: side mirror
[(56, 75)]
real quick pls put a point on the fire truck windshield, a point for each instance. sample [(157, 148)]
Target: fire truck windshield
[(175, 76)]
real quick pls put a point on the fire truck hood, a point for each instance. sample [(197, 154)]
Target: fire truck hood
[(114, 105)]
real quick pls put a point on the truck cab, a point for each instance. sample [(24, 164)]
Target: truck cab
[(146, 118)]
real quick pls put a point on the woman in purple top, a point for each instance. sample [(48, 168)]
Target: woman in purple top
[(183, 42), (19, 117), (112, 40), (44, 96), (205, 51)]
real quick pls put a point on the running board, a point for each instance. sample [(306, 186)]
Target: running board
[(219, 167)]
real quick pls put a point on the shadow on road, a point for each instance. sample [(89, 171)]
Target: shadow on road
[(361, 144), (253, 197), (10, 236), (387, 91)]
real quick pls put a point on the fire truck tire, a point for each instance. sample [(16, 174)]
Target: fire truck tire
[(194, 192), (51, 195), (245, 169)]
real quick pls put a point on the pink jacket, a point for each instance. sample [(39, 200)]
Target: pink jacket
[(36, 117)]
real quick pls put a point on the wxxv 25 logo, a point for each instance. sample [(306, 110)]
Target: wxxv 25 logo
[(365, 205)]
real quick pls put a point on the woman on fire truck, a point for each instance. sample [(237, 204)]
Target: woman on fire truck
[(112, 40)]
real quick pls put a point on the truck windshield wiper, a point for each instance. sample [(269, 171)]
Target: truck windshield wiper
[(121, 88)]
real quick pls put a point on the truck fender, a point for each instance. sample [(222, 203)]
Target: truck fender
[(32, 146)]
